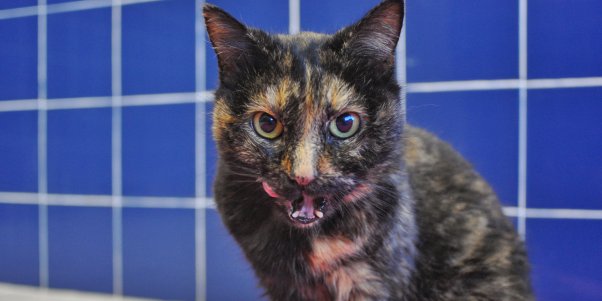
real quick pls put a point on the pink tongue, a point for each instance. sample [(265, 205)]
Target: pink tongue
[(307, 210), (269, 190)]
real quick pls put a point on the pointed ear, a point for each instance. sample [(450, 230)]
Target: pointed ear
[(230, 40), (373, 39)]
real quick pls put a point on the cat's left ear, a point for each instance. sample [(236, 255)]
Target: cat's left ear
[(236, 51), (373, 39)]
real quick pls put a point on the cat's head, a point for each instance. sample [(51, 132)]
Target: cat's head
[(315, 120)]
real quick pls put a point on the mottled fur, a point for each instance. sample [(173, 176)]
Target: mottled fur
[(406, 218)]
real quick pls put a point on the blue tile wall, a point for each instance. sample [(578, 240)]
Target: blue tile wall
[(158, 150), (330, 16), (447, 40), (565, 259), (482, 126), (461, 40), (229, 275), (80, 248), (158, 253), (19, 151), (565, 38), (19, 58), (17, 3), (79, 151), (79, 53), (19, 244), (158, 47), (268, 15), (565, 142), (61, 1)]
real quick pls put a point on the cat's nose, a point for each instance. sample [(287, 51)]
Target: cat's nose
[(303, 181)]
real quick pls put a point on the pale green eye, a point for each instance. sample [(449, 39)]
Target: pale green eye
[(266, 125), (345, 125)]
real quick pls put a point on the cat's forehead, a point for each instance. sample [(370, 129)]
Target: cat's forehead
[(303, 44), (315, 90), (303, 80)]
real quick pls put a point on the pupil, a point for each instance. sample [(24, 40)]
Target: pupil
[(267, 123), (344, 122)]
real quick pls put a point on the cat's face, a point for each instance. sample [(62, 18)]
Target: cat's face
[(313, 120)]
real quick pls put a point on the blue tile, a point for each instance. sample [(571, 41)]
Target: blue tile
[(17, 3), (462, 40), (61, 1), (158, 150), (482, 126), (158, 47), (19, 151), (564, 158), (79, 53), (19, 260), (80, 248), (565, 259), (19, 58), (565, 38), (159, 253), (226, 265), (268, 15), (330, 16), (79, 151), (211, 151)]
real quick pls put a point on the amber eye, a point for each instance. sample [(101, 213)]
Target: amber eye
[(345, 125), (266, 125)]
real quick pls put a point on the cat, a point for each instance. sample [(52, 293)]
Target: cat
[(327, 190)]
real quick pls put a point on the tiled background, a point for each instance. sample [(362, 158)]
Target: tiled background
[(106, 158)]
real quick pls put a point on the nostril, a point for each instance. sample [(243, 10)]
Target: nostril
[(303, 181)]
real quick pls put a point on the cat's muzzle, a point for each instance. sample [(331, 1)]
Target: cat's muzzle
[(303, 211)]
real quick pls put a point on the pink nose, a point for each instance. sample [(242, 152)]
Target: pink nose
[(303, 181)]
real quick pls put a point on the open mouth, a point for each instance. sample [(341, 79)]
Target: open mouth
[(303, 211), (307, 209)]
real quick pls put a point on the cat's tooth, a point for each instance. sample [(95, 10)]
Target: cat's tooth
[(319, 213), (296, 214)]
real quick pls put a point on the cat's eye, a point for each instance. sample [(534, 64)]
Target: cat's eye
[(345, 125), (266, 125)]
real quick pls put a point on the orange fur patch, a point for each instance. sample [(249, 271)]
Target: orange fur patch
[(327, 252), (325, 167), (286, 164)]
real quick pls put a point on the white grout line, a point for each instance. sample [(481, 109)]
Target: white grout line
[(207, 96), (80, 103), (18, 105), (76, 200), (64, 7), (466, 85), (505, 84), (116, 150), (86, 200), (522, 119), (553, 213), (107, 101), (42, 146), (294, 16), (401, 59), (400, 65), (167, 98), (558, 83), (200, 237)]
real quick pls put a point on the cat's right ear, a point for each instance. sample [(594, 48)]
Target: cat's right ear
[(230, 40)]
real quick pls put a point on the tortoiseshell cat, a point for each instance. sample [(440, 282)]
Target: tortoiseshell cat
[(329, 193)]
